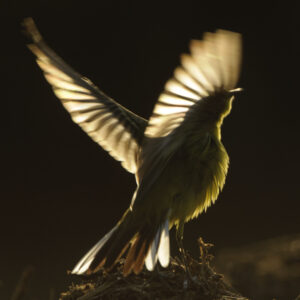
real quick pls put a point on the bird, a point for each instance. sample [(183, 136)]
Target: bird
[(177, 156)]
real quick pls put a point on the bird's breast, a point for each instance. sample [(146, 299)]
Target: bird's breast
[(183, 179), (198, 172)]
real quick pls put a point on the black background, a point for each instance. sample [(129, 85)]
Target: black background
[(61, 192)]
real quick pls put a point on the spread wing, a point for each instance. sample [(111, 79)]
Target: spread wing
[(212, 66), (113, 127)]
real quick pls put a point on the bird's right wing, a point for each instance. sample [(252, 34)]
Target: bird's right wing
[(113, 127), (213, 66)]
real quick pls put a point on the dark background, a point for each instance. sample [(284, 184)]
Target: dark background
[(61, 192)]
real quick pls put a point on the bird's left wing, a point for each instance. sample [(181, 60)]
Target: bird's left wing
[(113, 127), (212, 66)]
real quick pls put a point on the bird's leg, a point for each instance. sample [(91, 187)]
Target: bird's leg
[(179, 239)]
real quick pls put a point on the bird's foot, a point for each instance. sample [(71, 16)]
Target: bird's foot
[(189, 279)]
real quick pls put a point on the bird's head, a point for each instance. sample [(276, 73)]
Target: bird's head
[(224, 103)]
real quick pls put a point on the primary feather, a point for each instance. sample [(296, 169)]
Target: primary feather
[(113, 127), (177, 157)]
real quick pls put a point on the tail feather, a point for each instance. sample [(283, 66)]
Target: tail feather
[(83, 265), (164, 246), (117, 244), (138, 251), (135, 258), (148, 243), (139, 262), (151, 258), (160, 248)]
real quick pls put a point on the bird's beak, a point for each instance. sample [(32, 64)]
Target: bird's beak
[(237, 90)]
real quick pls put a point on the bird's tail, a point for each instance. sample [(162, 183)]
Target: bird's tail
[(147, 243)]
